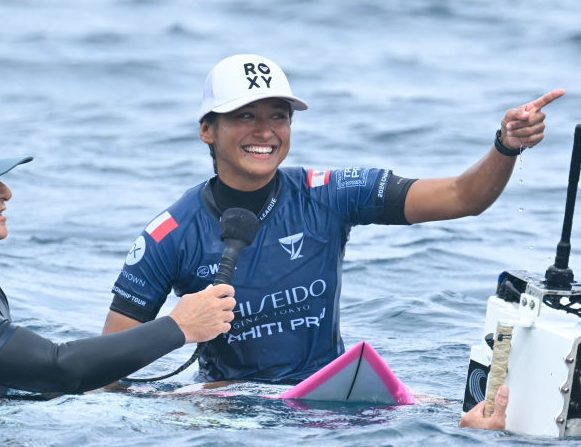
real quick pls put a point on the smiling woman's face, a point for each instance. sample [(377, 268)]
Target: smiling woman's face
[(5, 195), (250, 142)]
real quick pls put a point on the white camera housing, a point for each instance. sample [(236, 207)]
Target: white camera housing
[(544, 363)]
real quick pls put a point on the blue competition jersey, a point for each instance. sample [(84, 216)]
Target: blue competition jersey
[(287, 282)]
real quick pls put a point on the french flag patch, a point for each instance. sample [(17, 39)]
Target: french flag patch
[(161, 226), (317, 178)]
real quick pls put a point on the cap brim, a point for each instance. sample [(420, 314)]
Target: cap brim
[(295, 103), (7, 164)]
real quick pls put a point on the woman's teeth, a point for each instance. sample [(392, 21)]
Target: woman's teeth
[(258, 149)]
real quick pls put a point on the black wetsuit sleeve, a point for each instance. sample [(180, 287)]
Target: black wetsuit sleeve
[(32, 363)]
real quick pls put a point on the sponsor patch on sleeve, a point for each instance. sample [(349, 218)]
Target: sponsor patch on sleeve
[(128, 296), (352, 178), (317, 178), (137, 251), (380, 186), (161, 226)]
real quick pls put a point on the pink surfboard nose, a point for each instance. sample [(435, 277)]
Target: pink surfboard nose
[(359, 375)]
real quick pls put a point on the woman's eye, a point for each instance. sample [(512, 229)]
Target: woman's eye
[(245, 116)]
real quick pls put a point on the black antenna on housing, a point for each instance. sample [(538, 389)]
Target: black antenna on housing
[(559, 275)]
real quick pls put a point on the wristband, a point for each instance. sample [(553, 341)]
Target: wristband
[(503, 149)]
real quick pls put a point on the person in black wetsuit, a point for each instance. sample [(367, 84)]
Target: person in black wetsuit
[(32, 363)]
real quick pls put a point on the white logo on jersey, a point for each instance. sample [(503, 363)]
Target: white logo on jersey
[(136, 252), (206, 270), (293, 245)]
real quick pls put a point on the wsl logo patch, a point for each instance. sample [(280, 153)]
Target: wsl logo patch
[(204, 271), (293, 245), (136, 252)]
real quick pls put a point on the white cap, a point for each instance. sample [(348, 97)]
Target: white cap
[(244, 78)]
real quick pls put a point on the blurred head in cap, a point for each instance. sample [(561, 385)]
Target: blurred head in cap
[(245, 119), (6, 165)]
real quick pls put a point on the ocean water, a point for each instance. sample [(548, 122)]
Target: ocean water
[(104, 94)]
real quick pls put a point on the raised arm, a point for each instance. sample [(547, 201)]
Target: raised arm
[(478, 187)]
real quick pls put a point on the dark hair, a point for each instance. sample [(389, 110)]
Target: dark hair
[(211, 118)]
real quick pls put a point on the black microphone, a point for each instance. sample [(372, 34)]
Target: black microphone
[(239, 227)]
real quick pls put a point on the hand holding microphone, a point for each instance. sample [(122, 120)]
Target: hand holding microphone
[(213, 306), (238, 229), (204, 315)]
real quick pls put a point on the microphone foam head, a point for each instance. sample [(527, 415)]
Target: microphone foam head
[(240, 224)]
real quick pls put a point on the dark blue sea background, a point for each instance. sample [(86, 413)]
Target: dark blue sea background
[(104, 95)]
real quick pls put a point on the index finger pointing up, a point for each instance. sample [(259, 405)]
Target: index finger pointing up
[(547, 98)]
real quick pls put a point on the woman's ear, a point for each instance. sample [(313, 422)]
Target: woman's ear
[(206, 134)]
